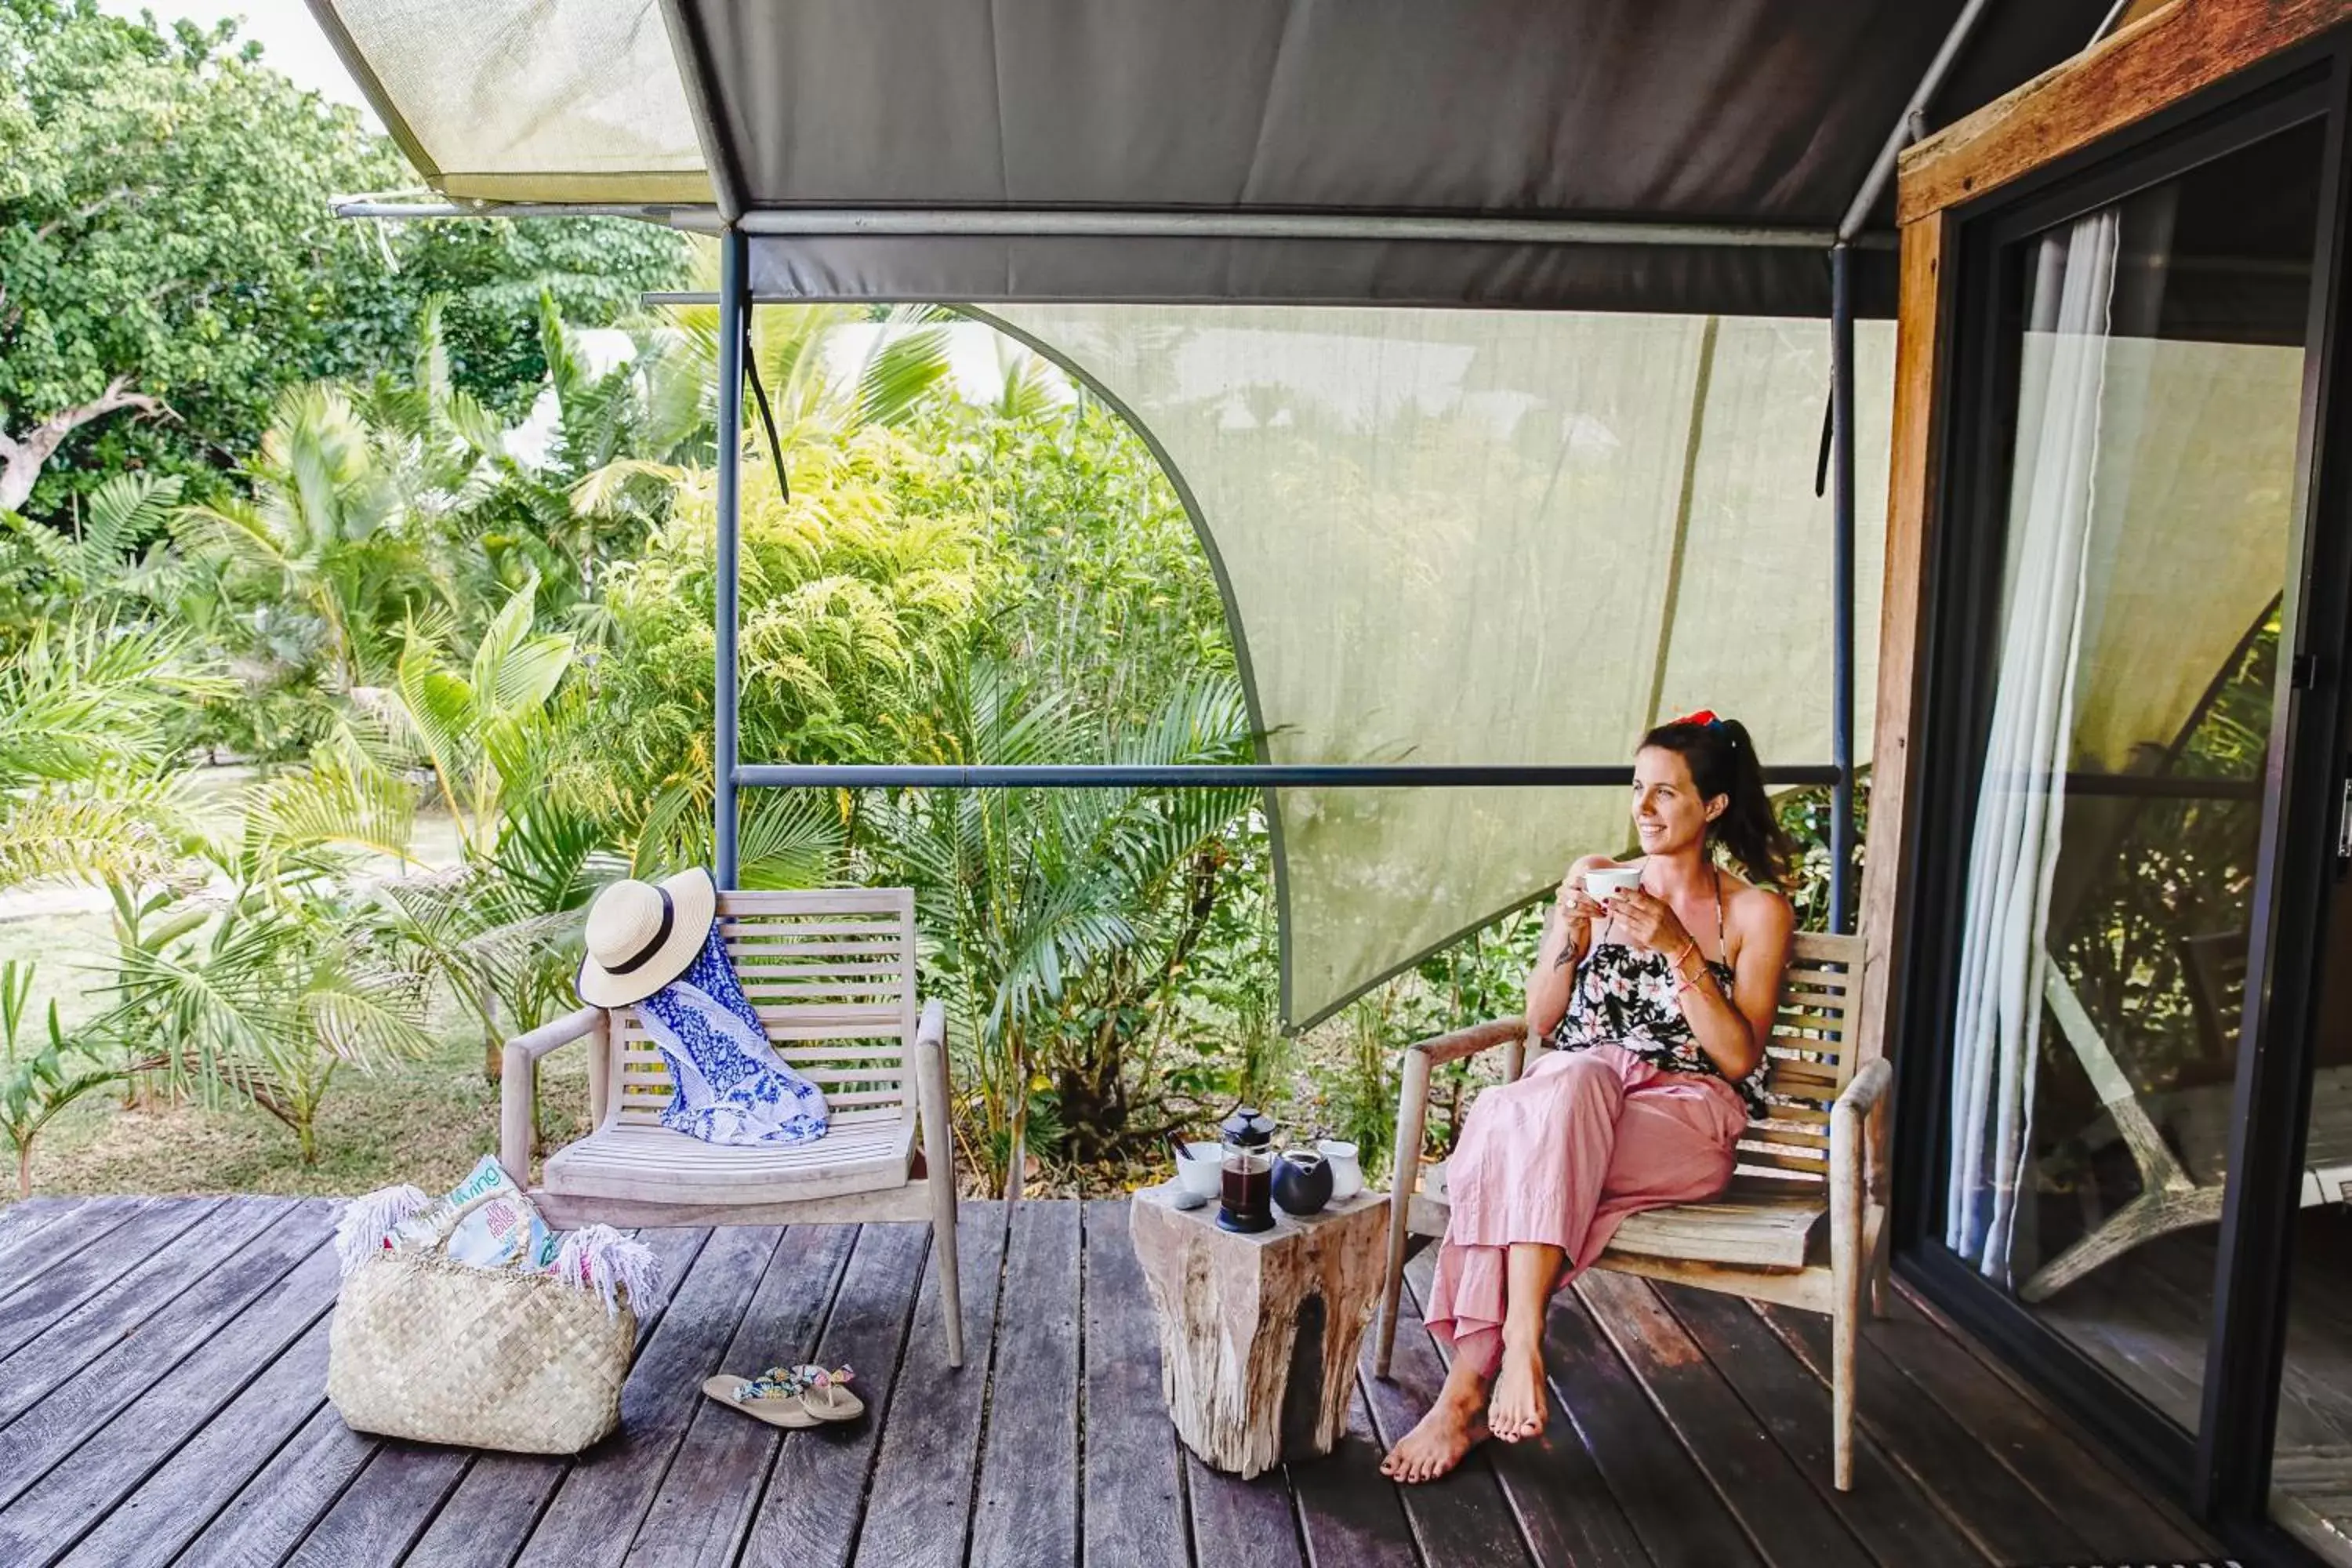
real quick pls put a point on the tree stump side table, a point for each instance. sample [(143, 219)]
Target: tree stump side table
[(1258, 1334)]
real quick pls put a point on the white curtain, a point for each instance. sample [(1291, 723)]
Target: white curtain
[(2021, 805)]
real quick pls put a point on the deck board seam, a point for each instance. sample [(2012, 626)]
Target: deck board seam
[(65, 1548), (287, 1211), (1479, 1451), (816, 1337), (686, 1427), (1864, 1425), (120, 1218), (988, 1378), (132, 1265), (1828, 1500), (897, 1369), (2064, 1428), (293, 1431), (2058, 1418), (1674, 1430)]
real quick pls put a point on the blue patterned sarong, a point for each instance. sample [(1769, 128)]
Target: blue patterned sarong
[(731, 1087)]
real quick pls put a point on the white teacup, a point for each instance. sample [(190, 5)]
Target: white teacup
[(1600, 885), (1202, 1167)]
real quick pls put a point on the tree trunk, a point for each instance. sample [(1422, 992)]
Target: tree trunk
[(25, 1170), (22, 458)]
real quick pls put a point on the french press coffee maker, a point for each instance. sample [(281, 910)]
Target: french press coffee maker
[(1248, 1164)]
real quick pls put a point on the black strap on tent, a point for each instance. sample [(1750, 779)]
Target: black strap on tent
[(767, 417)]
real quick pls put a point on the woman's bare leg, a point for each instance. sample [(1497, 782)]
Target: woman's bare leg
[(1517, 1408), (1456, 1422)]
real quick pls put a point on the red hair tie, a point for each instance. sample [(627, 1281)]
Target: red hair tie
[(1704, 716)]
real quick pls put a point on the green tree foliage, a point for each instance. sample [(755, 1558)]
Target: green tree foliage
[(168, 263), (165, 245), (860, 597)]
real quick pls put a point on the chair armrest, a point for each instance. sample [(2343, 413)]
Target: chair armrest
[(931, 1029), (1856, 1158), (519, 1084), (1469, 1042)]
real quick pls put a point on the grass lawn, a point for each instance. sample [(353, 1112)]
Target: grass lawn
[(425, 1121)]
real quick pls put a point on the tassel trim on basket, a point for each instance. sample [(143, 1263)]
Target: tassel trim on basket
[(602, 1259), (366, 1221)]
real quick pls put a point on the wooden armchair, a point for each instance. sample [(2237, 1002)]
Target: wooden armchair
[(832, 974), (1820, 1156)]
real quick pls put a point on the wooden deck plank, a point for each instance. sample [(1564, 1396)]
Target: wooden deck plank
[(81, 1490), (1348, 1514), (1027, 1515), (1226, 1508), (816, 1492), (1564, 1508), (703, 1509), (271, 1515), (173, 1503), (1460, 1518), (1887, 1513), (1665, 1496), (2008, 1522), (603, 1497), (45, 1359), (384, 1510), (84, 1273), (1132, 1488), (1790, 1523), (919, 1513), (68, 1412), (1687, 1427), (1972, 1361), (21, 1222), (490, 1514), (495, 1507), (32, 1246), (2092, 1498)]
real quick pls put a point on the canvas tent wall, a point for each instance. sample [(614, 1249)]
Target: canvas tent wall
[(1452, 321)]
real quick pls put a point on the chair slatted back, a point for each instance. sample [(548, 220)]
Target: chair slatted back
[(1811, 1054), (832, 974)]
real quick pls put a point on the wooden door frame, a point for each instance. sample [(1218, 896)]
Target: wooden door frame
[(2190, 61)]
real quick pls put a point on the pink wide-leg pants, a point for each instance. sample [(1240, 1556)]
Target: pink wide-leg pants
[(1561, 1157)]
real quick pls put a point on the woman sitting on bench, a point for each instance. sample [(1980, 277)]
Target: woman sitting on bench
[(1658, 1002)]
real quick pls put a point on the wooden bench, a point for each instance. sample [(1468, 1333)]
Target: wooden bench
[(1800, 1224), (832, 974)]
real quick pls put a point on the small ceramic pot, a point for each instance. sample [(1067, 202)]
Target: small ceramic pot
[(1347, 1169), (1302, 1182)]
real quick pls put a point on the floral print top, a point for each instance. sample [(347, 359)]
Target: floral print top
[(1624, 996)]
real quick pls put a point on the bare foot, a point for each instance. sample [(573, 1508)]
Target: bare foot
[(1516, 1410), (1437, 1442)]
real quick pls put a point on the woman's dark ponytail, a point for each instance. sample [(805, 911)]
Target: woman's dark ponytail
[(1722, 760)]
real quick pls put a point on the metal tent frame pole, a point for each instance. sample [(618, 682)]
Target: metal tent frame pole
[(734, 332), (1842, 791)]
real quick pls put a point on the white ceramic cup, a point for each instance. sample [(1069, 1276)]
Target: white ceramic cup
[(1600, 885), (1202, 1167), (1347, 1169)]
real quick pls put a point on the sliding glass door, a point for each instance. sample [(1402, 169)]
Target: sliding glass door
[(2107, 1018)]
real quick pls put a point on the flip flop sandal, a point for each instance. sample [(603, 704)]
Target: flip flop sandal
[(794, 1397)]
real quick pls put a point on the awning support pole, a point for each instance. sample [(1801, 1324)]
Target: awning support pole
[(734, 329), (1842, 588)]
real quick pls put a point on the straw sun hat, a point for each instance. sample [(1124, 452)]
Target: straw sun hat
[(643, 935)]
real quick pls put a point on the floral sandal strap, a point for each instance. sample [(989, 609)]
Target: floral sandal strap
[(787, 1381)]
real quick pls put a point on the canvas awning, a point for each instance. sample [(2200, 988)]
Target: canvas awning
[(1485, 338), (1755, 121)]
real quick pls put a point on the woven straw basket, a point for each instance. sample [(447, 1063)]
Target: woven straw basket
[(443, 1352)]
